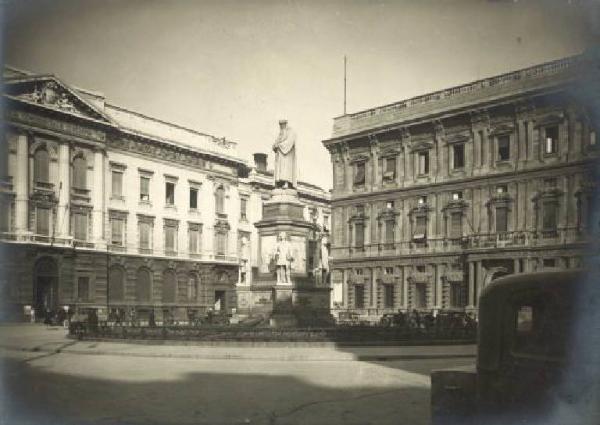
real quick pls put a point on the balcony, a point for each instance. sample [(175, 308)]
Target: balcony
[(80, 194), (82, 244), (420, 277), (475, 242)]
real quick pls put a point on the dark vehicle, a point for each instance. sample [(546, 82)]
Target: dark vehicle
[(525, 354), (393, 319)]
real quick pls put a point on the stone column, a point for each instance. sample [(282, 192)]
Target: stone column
[(408, 161), (471, 302), (400, 167), (64, 192), (479, 282), (490, 148), (405, 287), (21, 185), (522, 136), (98, 200), (438, 286), (375, 164), (476, 150)]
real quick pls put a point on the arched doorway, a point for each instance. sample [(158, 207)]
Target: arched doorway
[(45, 287)]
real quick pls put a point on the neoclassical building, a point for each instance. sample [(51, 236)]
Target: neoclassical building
[(435, 196), (106, 208)]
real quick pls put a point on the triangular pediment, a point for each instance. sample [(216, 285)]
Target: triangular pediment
[(49, 92)]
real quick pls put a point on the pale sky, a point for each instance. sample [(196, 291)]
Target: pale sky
[(234, 69)]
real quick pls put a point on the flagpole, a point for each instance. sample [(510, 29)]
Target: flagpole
[(345, 60)]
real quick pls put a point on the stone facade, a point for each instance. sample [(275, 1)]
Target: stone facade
[(106, 208), (435, 196)]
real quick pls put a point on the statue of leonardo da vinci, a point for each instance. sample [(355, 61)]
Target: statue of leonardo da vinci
[(285, 157)]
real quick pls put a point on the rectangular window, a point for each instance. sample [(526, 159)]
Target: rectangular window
[(359, 296), (456, 196), (144, 188), (422, 200), (389, 270), (145, 234), (549, 262), (456, 295), (593, 138), (423, 163), (502, 188), (501, 220), (420, 295), (388, 296), (421, 227), (456, 225), (552, 139), (80, 226), (194, 241), (117, 184), (193, 198), (389, 173), (170, 238), (169, 193), (503, 148), (550, 216), (43, 221), (359, 272), (459, 156), (116, 232), (221, 243), (389, 231), (359, 237), (359, 174), (243, 208), (83, 288)]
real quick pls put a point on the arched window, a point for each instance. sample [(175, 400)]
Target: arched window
[(169, 287), (220, 199), (41, 166), (142, 286), (80, 172), (193, 287), (116, 284)]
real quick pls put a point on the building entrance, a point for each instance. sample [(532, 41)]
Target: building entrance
[(220, 301), (45, 296)]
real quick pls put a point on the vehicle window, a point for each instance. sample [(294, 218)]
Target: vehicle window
[(542, 325)]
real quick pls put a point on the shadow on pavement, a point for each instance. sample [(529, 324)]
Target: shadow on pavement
[(33, 395)]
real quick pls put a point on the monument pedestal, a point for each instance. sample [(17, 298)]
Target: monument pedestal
[(282, 315), (299, 302)]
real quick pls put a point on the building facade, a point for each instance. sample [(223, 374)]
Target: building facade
[(435, 196), (106, 208)]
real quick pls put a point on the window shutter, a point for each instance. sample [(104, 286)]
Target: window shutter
[(43, 221)]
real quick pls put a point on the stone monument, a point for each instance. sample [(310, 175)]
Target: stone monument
[(289, 249)]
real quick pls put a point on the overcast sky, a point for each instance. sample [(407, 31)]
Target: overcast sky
[(234, 69)]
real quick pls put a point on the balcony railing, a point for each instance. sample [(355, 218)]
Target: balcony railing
[(479, 241)]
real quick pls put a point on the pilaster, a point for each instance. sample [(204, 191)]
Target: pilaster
[(64, 191), (98, 199), (21, 184)]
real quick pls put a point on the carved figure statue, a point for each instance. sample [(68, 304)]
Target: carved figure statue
[(284, 259), (285, 157)]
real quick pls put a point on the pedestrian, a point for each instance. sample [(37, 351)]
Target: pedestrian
[(32, 317)]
